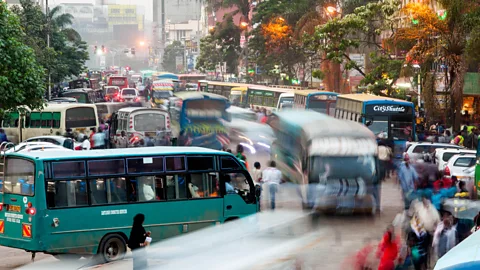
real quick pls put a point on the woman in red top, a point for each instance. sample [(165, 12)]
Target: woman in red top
[(388, 250)]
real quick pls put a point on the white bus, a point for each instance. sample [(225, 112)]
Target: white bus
[(264, 96), (285, 101), (54, 119)]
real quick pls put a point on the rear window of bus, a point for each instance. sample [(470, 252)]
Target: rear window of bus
[(80, 117), (112, 90), (20, 177), (149, 122), (80, 97)]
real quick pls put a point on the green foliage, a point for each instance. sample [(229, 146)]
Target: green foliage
[(21, 76), (361, 31), (209, 54), (67, 53), (170, 57), (318, 74), (227, 35)]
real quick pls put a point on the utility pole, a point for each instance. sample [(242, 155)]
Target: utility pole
[(163, 41), (48, 46)]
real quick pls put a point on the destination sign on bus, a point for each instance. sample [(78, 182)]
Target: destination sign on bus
[(323, 97), (118, 82), (387, 109)]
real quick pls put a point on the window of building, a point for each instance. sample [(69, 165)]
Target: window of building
[(130, 11), (115, 11), (176, 187), (204, 185), (70, 193), (108, 190)]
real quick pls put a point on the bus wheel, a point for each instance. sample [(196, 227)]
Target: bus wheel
[(67, 257), (112, 248)]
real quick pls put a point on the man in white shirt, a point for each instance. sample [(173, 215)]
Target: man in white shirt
[(272, 177), (86, 143), (99, 139), (148, 193)]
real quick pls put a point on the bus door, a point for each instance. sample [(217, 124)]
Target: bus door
[(19, 205), (239, 198)]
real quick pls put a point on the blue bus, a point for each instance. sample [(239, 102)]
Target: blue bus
[(319, 101), (390, 118), (197, 119)]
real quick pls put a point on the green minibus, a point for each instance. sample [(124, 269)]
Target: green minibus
[(80, 204)]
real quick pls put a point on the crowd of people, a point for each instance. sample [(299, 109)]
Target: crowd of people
[(425, 231)]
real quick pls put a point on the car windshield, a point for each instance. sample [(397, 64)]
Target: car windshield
[(128, 92)]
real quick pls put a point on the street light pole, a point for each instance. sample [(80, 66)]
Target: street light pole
[(48, 46)]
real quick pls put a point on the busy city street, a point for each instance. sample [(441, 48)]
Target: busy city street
[(240, 134)]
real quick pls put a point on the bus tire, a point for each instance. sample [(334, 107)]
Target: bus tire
[(67, 257), (113, 247)]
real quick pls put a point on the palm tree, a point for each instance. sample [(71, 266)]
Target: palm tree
[(62, 22)]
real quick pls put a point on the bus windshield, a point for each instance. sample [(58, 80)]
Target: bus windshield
[(205, 108), (149, 122), (325, 168), (20, 177), (80, 97), (162, 94), (286, 102)]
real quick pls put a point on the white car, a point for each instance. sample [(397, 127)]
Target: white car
[(57, 140), (458, 165), (129, 95), (443, 155), (34, 146), (419, 150)]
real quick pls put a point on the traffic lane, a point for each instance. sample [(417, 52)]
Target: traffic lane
[(14, 258)]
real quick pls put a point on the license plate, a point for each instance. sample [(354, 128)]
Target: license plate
[(14, 208), (151, 134)]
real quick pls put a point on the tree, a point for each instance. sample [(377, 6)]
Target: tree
[(67, 53), (172, 51), (227, 35), (361, 31), (209, 54), (21, 77), (449, 40)]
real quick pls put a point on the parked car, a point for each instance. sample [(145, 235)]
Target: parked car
[(33, 146), (129, 95), (425, 150), (443, 155), (56, 140), (458, 164)]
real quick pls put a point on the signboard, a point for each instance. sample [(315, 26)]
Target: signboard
[(387, 109)]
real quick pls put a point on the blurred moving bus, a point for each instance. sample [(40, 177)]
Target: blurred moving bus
[(54, 119), (162, 90), (137, 123), (83, 203), (334, 162), (197, 119), (393, 118), (106, 109), (319, 101), (264, 96)]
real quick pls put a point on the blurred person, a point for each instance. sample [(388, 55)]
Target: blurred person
[(81, 136), (445, 237), (388, 250), (228, 184), (229, 151), (148, 141), (459, 139), (241, 156), (92, 132), (384, 155), (99, 139), (407, 176), (272, 177), (122, 140), (102, 124), (86, 143), (69, 134), (257, 172), (148, 193), (3, 136), (426, 212), (136, 242)]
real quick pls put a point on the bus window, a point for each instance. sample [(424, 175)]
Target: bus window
[(47, 119), (20, 177), (148, 122), (200, 163), (71, 193), (145, 165), (175, 164), (379, 125), (238, 181), (106, 167), (56, 120), (35, 120), (81, 117), (204, 185), (68, 169), (176, 187), (150, 188), (108, 190), (401, 127), (229, 163)]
